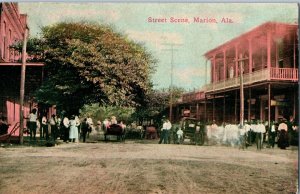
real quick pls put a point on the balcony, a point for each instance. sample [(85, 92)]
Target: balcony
[(280, 74), (192, 96)]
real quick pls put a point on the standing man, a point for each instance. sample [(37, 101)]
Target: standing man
[(53, 125), (290, 132), (32, 123), (166, 128), (89, 121), (45, 127), (84, 129), (272, 134)]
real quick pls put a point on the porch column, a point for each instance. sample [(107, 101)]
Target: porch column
[(224, 64), (294, 51), (294, 107), (241, 90), (197, 110), (269, 49), (213, 108), (235, 108), (205, 115), (224, 109), (236, 61), (214, 68), (250, 55), (276, 54), (206, 71), (249, 106), (269, 104), (177, 113)]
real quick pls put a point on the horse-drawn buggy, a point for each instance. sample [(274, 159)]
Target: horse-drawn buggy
[(193, 130), (115, 130)]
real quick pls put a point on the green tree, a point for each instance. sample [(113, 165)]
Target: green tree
[(101, 112), (91, 63), (157, 104)]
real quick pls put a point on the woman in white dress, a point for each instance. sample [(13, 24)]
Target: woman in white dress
[(73, 133)]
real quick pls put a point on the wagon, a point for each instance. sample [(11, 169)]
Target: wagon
[(193, 130), (115, 130)]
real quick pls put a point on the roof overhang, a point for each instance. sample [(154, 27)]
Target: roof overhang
[(268, 26), (20, 64)]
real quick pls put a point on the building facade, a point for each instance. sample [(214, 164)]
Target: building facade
[(12, 29), (267, 59)]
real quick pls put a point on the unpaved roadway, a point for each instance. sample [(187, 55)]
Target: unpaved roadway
[(146, 167)]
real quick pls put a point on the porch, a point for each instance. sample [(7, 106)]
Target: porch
[(267, 74)]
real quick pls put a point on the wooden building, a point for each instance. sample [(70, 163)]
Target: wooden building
[(269, 56), (12, 29)]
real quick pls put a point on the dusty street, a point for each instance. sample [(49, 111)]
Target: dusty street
[(146, 167)]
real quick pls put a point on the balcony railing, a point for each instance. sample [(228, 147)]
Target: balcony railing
[(286, 74)]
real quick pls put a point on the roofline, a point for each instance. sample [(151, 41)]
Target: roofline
[(247, 33)]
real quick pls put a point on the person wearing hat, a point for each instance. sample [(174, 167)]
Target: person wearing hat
[(272, 134), (166, 128), (161, 132), (84, 129), (113, 120), (283, 138), (32, 124)]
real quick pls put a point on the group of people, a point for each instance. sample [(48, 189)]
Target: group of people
[(68, 129), (165, 132), (35, 124), (113, 120), (48, 128), (283, 132), (286, 132)]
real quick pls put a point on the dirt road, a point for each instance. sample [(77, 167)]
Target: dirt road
[(133, 167)]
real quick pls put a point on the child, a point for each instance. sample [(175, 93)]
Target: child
[(179, 135)]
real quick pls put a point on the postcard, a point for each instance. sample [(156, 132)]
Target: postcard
[(149, 97)]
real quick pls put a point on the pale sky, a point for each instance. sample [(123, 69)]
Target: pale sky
[(193, 39)]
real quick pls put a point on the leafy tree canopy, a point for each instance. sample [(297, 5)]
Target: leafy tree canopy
[(99, 113), (157, 104), (91, 63)]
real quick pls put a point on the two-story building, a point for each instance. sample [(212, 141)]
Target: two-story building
[(12, 29), (269, 57)]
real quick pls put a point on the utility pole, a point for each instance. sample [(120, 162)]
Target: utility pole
[(171, 84), (22, 85)]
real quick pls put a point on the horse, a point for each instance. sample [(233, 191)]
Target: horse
[(115, 129)]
